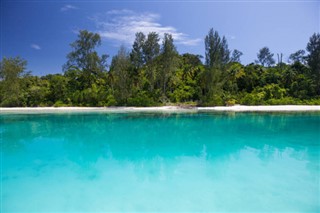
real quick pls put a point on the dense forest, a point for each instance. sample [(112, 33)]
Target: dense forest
[(154, 73)]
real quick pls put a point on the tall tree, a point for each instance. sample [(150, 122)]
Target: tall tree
[(11, 69), (265, 57), (120, 70), (84, 57), (217, 57), (225, 52), (217, 52), (151, 50), (236, 54), (137, 54), (313, 59), (169, 57), (151, 47), (298, 56)]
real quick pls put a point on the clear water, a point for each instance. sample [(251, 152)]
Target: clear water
[(201, 162)]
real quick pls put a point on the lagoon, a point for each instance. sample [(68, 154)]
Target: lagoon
[(164, 161)]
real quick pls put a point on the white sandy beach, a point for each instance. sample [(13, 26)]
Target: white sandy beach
[(237, 108)]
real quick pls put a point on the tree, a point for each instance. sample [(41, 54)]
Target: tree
[(151, 50), (11, 69), (58, 88), (225, 52), (265, 57), (251, 78), (120, 69), (169, 58), (84, 57), (297, 57), (185, 84), (217, 57), (151, 47), (151, 74), (35, 91), (313, 59), (234, 72), (217, 52), (212, 87), (137, 54), (236, 54)]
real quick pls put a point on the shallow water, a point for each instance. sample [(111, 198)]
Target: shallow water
[(225, 162)]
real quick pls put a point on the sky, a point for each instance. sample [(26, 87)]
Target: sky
[(41, 31)]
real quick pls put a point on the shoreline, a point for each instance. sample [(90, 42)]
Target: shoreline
[(236, 108)]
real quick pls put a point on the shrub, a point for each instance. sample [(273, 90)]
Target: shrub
[(111, 101), (60, 104), (215, 100), (253, 99), (141, 99), (283, 101), (231, 102)]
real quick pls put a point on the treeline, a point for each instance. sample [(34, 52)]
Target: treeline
[(156, 74)]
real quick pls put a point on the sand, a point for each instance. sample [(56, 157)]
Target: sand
[(237, 108)]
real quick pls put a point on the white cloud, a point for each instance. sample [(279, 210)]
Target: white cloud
[(191, 42), (122, 25), (119, 12), (68, 7), (35, 46)]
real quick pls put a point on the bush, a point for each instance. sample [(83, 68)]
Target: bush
[(231, 102), (284, 101), (215, 100), (13, 102), (253, 99), (60, 104), (314, 101), (111, 101), (141, 100)]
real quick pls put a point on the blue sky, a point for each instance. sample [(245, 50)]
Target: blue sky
[(41, 31)]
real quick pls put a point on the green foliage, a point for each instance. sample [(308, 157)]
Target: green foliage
[(185, 83), (151, 75), (11, 71), (120, 69), (271, 91), (231, 102), (297, 57), (111, 101), (214, 100), (141, 99), (84, 58), (253, 99), (261, 95), (169, 62), (60, 104), (313, 101), (137, 54), (313, 59), (234, 72), (236, 54), (217, 52), (265, 57), (250, 78), (151, 47), (35, 91), (213, 87), (58, 88), (293, 101)]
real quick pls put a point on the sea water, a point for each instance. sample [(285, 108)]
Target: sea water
[(149, 162)]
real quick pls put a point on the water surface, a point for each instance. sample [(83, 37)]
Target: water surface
[(201, 162)]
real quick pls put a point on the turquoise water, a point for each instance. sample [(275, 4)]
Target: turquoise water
[(201, 162)]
